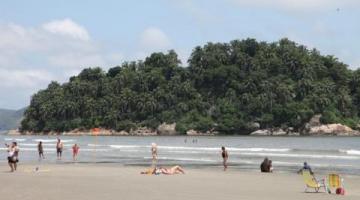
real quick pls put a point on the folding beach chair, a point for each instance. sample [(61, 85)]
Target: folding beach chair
[(312, 182), (334, 181)]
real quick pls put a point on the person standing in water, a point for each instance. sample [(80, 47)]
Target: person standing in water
[(154, 153), (75, 149), (41, 151), (59, 149), (225, 156)]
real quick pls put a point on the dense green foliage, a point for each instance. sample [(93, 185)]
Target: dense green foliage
[(226, 87), (10, 119)]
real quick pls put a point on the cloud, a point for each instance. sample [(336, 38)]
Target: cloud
[(24, 79), (67, 27), (154, 39), (31, 57), (298, 5)]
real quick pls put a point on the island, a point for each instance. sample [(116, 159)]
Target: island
[(240, 87)]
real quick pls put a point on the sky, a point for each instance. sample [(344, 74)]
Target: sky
[(43, 40)]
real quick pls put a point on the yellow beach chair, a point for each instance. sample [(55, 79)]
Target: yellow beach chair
[(312, 182), (334, 181)]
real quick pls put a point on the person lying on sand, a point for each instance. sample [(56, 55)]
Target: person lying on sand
[(173, 170), (168, 171)]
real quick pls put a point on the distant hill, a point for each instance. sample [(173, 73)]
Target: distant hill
[(10, 119)]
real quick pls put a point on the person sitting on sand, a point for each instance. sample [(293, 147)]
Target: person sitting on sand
[(270, 166), (41, 151), (225, 156), (266, 166), (306, 167)]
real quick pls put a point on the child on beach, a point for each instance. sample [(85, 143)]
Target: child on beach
[(75, 150), (41, 151), (59, 149), (225, 156)]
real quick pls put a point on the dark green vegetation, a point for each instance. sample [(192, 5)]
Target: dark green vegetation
[(10, 119), (226, 87)]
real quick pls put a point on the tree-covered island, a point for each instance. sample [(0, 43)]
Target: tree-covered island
[(226, 87)]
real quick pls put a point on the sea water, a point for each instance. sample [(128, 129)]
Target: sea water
[(325, 154)]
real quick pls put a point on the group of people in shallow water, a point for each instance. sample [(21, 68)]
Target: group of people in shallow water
[(13, 159), (13, 152), (59, 150)]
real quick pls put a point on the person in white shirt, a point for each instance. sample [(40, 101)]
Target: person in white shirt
[(13, 156)]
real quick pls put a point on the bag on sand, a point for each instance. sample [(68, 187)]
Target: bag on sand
[(340, 191)]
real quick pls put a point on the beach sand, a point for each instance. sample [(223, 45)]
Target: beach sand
[(101, 181)]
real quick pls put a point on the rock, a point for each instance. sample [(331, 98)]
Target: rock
[(167, 129), (279, 132), (315, 120), (293, 134), (143, 131), (192, 132), (332, 129), (14, 132), (253, 125), (261, 132), (121, 133)]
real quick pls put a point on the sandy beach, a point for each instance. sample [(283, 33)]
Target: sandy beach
[(89, 181)]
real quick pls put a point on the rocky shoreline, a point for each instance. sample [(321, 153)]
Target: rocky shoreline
[(312, 128), (162, 130)]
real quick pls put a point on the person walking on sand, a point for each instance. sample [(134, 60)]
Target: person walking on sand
[(75, 150), (13, 153), (154, 154), (59, 149), (225, 157), (41, 151)]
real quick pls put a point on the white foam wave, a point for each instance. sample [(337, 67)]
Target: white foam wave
[(15, 139), (45, 144), (96, 145), (202, 149), (51, 140), (350, 152), (185, 159), (260, 149), (302, 156)]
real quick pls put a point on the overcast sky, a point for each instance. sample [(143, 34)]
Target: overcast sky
[(47, 40)]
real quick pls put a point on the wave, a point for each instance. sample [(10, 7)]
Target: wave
[(350, 152), (45, 144), (51, 140), (15, 139), (125, 146), (260, 149), (185, 159), (96, 145), (321, 156)]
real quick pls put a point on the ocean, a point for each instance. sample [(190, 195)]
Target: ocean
[(324, 154)]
